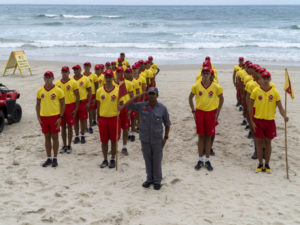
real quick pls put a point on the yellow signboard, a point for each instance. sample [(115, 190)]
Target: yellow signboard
[(17, 59)]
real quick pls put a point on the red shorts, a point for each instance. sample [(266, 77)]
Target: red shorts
[(68, 116), (93, 106), (133, 114), (82, 113), (108, 129), (205, 122), (49, 124), (124, 121), (239, 93), (265, 128)]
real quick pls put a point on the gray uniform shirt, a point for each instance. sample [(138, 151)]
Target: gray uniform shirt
[(151, 128)]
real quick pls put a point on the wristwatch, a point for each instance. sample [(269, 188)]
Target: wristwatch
[(60, 116)]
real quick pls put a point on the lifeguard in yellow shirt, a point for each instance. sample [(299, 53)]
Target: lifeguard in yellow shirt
[(107, 101), (71, 92), (209, 101), (265, 99), (50, 106), (94, 85)]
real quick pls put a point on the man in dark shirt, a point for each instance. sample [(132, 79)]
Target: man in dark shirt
[(153, 115)]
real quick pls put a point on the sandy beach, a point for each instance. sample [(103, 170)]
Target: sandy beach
[(79, 192)]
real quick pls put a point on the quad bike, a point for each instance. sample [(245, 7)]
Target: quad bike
[(9, 108)]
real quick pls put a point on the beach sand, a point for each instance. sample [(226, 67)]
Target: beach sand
[(79, 192)]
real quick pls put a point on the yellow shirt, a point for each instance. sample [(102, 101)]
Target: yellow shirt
[(247, 78), (50, 100), (241, 73), (141, 80), (265, 102), (83, 83), (93, 79), (108, 101), (154, 68), (135, 86), (129, 88), (207, 99), (236, 68), (101, 80), (68, 88)]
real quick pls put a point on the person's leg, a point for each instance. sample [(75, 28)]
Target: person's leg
[(113, 149), (55, 141), (104, 147), (148, 157), (125, 138), (64, 135), (207, 144), (200, 145), (90, 118), (268, 150), (94, 115), (83, 125), (259, 150), (77, 128), (70, 135), (156, 163), (48, 144)]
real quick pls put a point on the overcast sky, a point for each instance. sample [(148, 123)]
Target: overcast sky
[(155, 2)]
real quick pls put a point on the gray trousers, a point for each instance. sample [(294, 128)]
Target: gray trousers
[(152, 153)]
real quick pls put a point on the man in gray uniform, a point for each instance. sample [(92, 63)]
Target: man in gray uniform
[(153, 114)]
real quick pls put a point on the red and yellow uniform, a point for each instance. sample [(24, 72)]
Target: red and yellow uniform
[(83, 84), (101, 80), (141, 81), (124, 120), (237, 68), (93, 79), (207, 102), (265, 103), (154, 68), (68, 88), (125, 64), (108, 112), (50, 108)]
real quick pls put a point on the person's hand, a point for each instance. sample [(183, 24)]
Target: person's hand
[(216, 118), (87, 107), (164, 142), (58, 121), (194, 116), (286, 119), (40, 121), (253, 127), (74, 113)]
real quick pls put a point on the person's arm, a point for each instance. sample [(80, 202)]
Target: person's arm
[(77, 97), (221, 101), (62, 111), (167, 124), (156, 72), (89, 89), (248, 101), (282, 111), (96, 85), (233, 77), (148, 81), (98, 108), (129, 104), (38, 109), (191, 102), (251, 103)]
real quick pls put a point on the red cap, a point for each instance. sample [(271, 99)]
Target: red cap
[(128, 69), (134, 66), (206, 64), (122, 53), (257, 68), (248, 62), (261, 70), (97, 67), (205, 69), (243, 64), (107, 64), (146, 62), (101, 66), (78, 67), (119, 69), (120, 60), (265, 74), (207, 58), (249, 65), (241, 59), (65, 68), (150, 58), (113, 63), (108, 72), (49, 73), (87, 64), (141, 61), (212, 71)]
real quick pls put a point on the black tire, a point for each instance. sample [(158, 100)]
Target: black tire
[(2, 121), (17, 114)]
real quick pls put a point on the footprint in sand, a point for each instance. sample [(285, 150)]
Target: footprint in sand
[(175, 181)]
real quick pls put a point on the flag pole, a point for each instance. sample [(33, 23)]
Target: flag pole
[(285, 137)]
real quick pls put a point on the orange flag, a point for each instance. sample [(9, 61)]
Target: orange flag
[(287, 86)]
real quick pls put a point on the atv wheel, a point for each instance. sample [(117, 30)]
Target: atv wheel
[(17, 114), (2, 121)]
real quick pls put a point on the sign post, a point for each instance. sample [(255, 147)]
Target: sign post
[(17, 59)]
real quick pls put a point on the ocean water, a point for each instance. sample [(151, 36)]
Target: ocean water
[(171, 34)]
